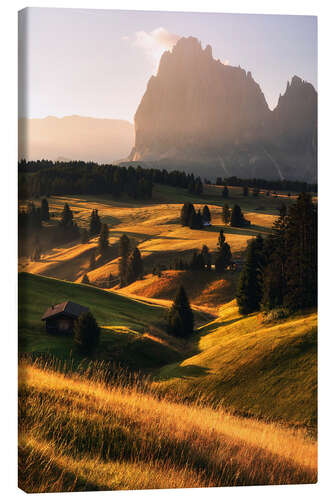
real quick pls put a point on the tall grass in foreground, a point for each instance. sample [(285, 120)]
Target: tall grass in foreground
[(78, 432)]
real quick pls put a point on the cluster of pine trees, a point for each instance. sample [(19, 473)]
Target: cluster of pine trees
[(281, 271), (45, 178), (130, 262), (192, 218), (180, 317), (276, 185), (234, 217)]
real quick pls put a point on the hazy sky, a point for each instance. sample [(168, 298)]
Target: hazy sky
[(98, 62)]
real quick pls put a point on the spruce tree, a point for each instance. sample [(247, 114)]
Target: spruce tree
[(237, 218), (180, 319), (221, 240), (226, 213), (186, 213), (124, 251), (103, 240), (249, 293), (67, 217), (95, 224), (86, 334), (245, 191), (206, 214), (44, 210), (134, 267), (223, 258), (225, 192), (206, 257)]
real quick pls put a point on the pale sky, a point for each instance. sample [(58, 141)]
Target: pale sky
[(97, 62)]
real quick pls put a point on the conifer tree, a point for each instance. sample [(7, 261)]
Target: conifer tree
[(44, 210), (124, 251), (223, 258), (86, 334), (226, 213), (180, 319), (206, 214), (245, 191), (237, 218), (67, 217), (134, 267), (221, 240), (206, 257), (103, 241), (225, 192), (249, 293), (95, 224)]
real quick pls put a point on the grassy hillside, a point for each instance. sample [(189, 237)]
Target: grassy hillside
[(253, 368), (153, 226), (130, 328), (206, 290), (79, 434)]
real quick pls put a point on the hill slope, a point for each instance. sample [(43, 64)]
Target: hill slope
[(130, 328), (253, 368), (79, 434)]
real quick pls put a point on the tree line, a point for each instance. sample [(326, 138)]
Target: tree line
[(46, 178), (281, 271), (281, 185)]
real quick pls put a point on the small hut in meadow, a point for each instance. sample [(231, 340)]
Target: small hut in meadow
[(60, 318)]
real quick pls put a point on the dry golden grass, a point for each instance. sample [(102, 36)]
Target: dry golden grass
[(77, 433), (153, 227)]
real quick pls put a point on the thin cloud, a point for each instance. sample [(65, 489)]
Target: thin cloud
[(155, 42)]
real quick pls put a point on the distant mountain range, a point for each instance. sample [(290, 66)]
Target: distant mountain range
[(203, 116), (75, 138)]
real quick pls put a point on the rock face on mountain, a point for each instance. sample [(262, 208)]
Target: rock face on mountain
[(75, 138), (213, 119)]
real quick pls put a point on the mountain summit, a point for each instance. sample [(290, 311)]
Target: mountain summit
[(201, 114)]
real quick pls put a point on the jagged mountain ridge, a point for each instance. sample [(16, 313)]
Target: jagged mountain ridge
[(202, 115)]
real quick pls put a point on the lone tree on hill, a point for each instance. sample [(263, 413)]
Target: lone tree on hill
[(124, 251), (66, 217), (223, 259), (226, 213), (86, 334), (225, 192), (95, 224), (206, 214), (134, 267), (180, 319), (206, 257), (250, 286), (237, 218), (221, 240), (44, 210), (103, 241), (186, 213)]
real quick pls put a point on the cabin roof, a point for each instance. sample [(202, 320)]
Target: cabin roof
[(67, 308)]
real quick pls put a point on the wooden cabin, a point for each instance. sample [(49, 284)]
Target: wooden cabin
[(60, 318)]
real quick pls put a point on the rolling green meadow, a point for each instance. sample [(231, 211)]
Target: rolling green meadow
[(234, 404)]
